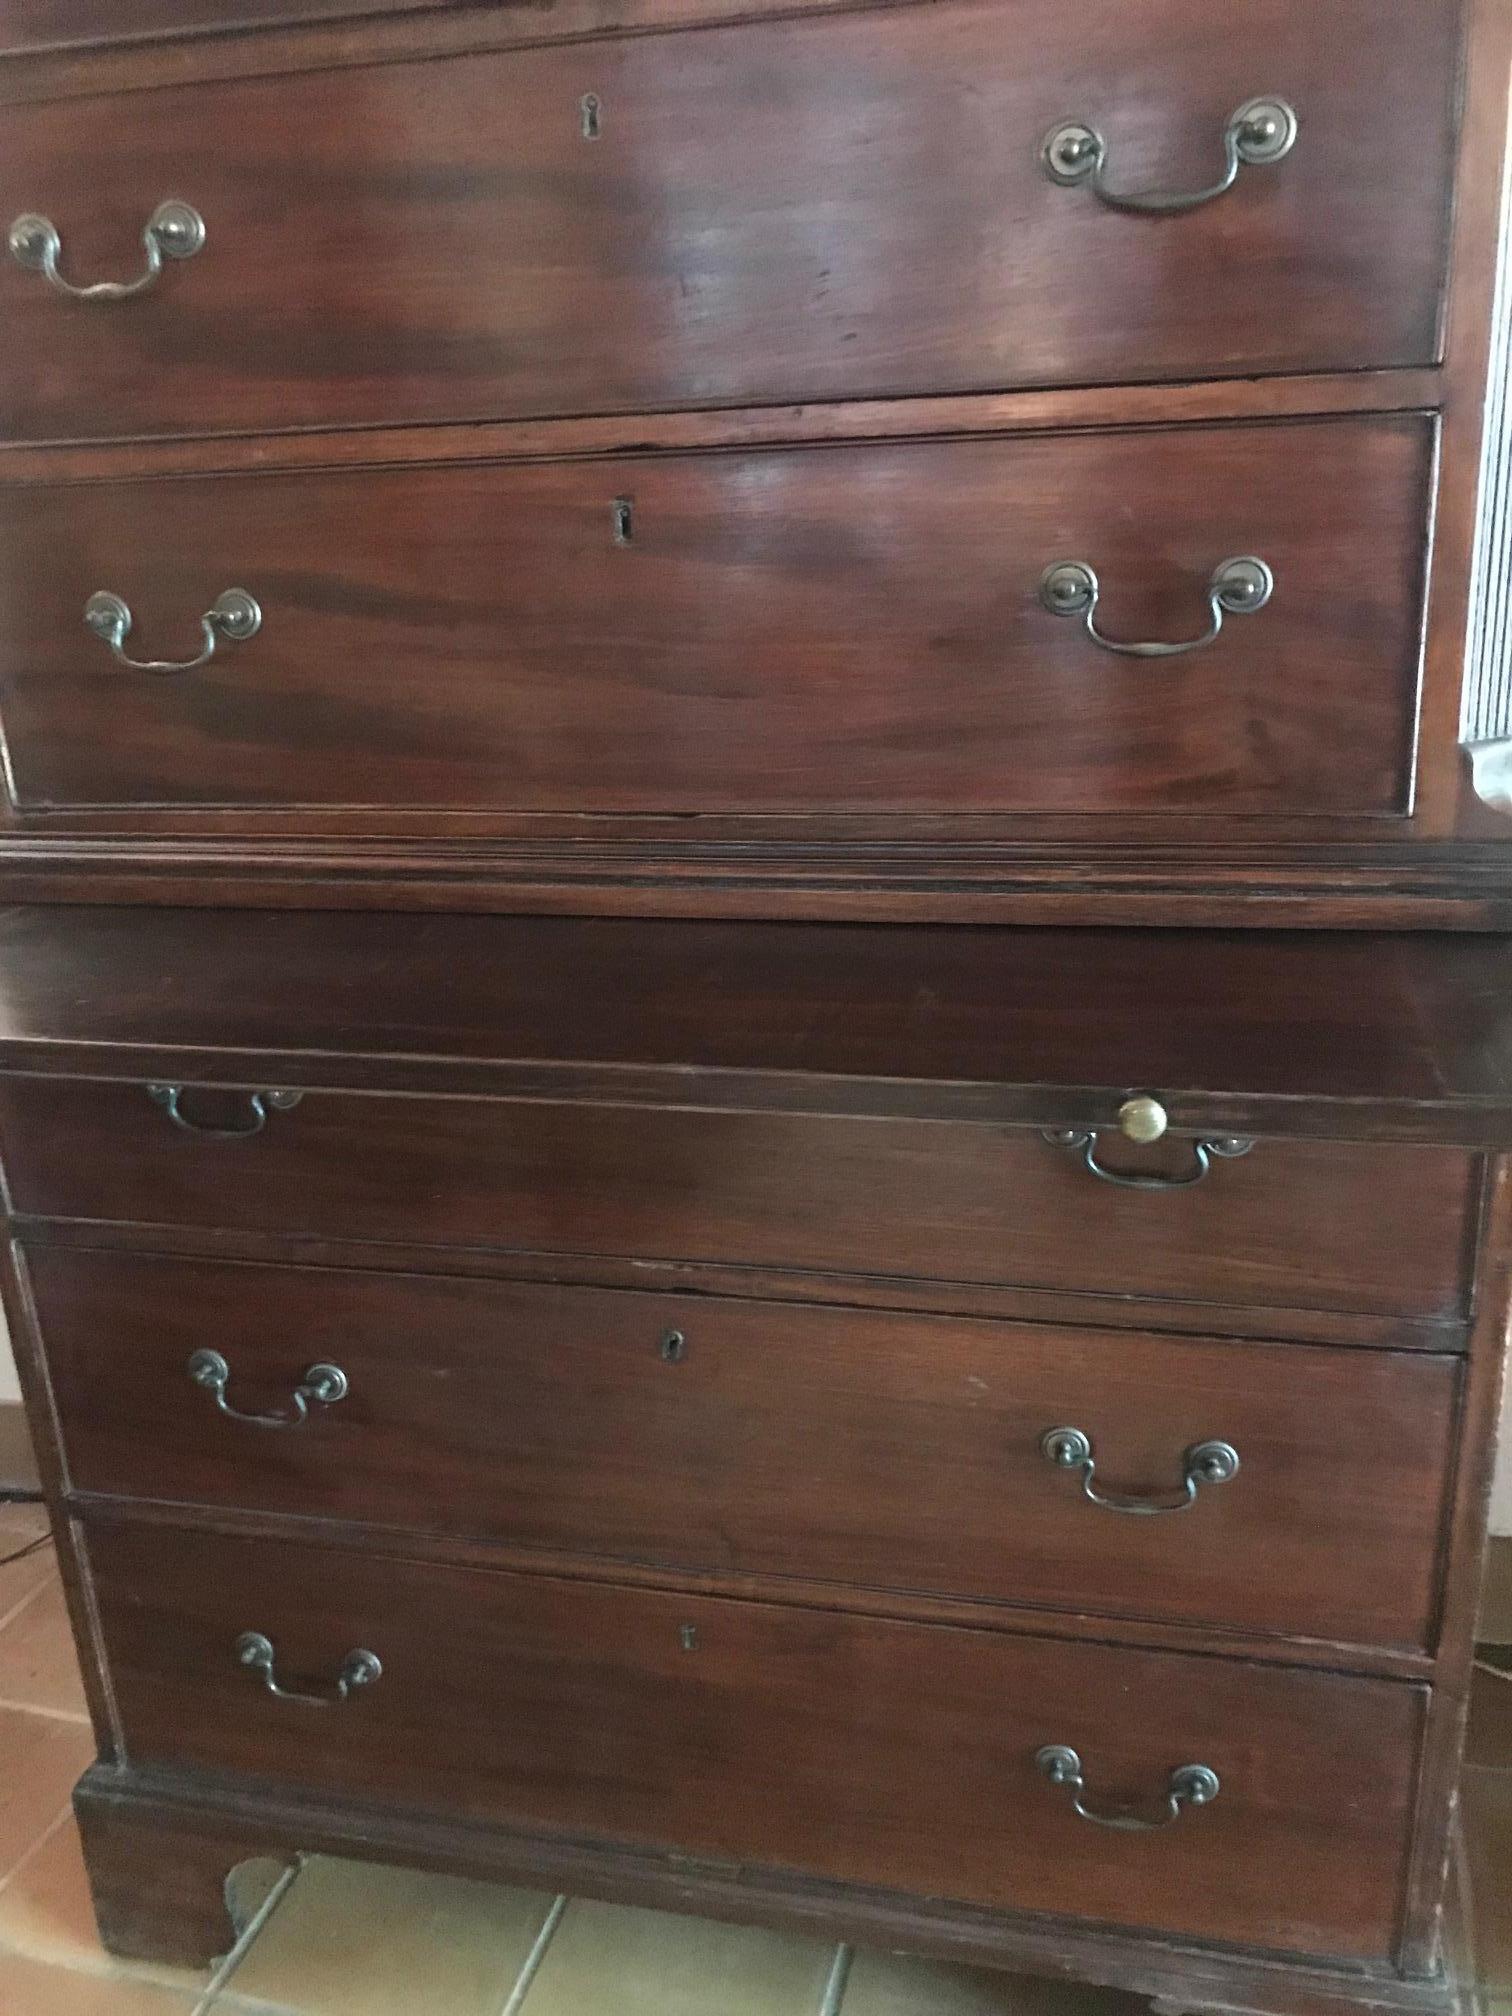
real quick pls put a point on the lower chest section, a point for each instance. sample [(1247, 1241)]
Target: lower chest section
[(819, 1441)]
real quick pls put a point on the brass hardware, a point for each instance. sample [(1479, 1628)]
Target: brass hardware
[(592, 110), (1143, 1119), (674, 1346), (1236, 588), (1083, 1141), (233, 616), (174, 231), (1203, 1463), (324, 1384), (1188, 1785), (262, 1103), (1259, 133), (358, 1669), (624, 521)]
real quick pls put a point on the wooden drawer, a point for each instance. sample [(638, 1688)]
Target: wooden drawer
[(790, 210), (1295, 1225), (873, 1752), (895, 1452), (47, 24), (775, 633)]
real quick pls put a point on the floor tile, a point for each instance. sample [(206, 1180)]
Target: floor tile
[(893, 1984), (1486, 1798), (46, 1914), (38, 1665), (20, 1526), (611, 1960), (1489, 1742), (29, 1988), (41, 1759), (358, 1939)]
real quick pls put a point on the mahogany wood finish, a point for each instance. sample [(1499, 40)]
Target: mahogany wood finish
[(954, 1606), (1374, 1036), (888, 1451), (1357, 801), (49, 24), (158, 1845), (1323, 1225), (800, 209), (583, 1710), (785, 636), (644, 425)]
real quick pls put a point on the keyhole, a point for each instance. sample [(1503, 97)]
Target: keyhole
[(689, 1636), (624, 521), (591, 117), (674, 1347)]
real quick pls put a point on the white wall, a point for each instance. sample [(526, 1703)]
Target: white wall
[(9, 1390), (1501, 1503)]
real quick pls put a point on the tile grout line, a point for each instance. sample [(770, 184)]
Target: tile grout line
[(839, 1981), (50, 1714), (228, 1966), (9, 1617), (533, 1959), (38, 1843), (8, 1876)]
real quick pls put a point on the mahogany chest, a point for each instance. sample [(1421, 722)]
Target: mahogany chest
[(756, 968)]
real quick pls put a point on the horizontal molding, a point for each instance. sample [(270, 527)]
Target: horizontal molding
[(973, 1301), (157, 62), (1029, 411), (1202, 880)]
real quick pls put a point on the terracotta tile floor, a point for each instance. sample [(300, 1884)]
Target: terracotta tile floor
[(340, 1939)]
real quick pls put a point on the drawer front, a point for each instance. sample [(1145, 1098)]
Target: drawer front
[(793, 210), (1294, 1225), (47, 24), (894, 1452), (768, 632), (844, 1747)]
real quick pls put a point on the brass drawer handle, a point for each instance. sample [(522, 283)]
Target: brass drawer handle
[(324, 1384), (1189, 1785), (174, 231), (1203, 1463), (359, 1669), (1236, 588), (234, 616), (1259, 133), (169, 1096)]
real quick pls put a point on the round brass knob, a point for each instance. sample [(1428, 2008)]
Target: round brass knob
[(1143, 1119)]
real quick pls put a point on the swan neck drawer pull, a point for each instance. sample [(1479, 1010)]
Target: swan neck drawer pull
[(1259, 133), (1188, 1785), (1236, 588), (261, 1103), (1083, 1141), (358, 1669), (1203, 1463), (324, 1384), (233, 617), (174, 231)]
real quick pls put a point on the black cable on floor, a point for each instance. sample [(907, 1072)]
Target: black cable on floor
[(31, 1547)]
